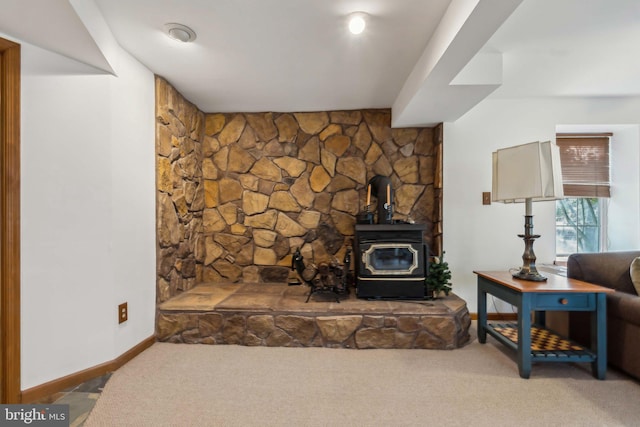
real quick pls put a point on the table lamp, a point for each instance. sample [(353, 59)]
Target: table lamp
[(527, 173)]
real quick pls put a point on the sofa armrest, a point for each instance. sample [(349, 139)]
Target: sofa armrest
[(609, 269), (624, 306)]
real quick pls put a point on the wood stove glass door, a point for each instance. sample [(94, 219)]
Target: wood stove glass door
[(381, 259)]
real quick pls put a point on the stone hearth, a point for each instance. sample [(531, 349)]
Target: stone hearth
[(274, 314)]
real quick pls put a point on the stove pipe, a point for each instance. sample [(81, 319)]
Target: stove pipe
[(381, 188)]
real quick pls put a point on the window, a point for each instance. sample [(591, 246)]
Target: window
[(581, 215), (579, 225)]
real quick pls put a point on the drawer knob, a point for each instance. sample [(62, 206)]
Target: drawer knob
[(564, 301)]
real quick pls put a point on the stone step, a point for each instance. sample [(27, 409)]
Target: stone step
[(277, 315)]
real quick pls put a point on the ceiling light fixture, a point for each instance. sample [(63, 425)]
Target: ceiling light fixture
[(179, 32), (357, 22)]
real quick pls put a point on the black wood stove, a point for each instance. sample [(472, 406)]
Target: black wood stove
[(390, 261)]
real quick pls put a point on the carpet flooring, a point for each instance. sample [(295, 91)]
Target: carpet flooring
[(227, 385)]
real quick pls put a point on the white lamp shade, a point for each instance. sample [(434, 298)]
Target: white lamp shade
[(527, 171)]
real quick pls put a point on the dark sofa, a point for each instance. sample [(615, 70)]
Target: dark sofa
[(611, 269)]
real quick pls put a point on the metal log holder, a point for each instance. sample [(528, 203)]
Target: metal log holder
[(327, 278)]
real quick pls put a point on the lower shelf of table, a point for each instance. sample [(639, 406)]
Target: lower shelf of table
[(546, 345)]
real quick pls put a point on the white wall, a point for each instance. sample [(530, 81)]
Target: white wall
[(623, 227), (88, 209), (478, 237)]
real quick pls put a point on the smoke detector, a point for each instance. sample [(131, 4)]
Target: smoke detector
[(179, 32)]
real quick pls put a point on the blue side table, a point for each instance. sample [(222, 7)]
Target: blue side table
[(531, 341)]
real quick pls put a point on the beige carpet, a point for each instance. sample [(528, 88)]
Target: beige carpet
[(478, 385)]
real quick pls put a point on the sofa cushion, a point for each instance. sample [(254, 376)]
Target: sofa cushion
[(635, 274)]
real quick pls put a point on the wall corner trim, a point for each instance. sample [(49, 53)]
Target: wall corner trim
[(47, 389)]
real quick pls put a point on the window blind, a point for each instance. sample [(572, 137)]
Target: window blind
[(584, 160)]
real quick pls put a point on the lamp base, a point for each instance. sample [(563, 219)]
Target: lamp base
[(529, 275), (529, 270)]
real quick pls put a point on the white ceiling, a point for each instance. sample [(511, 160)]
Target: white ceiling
[(430, 60), (570, 48)]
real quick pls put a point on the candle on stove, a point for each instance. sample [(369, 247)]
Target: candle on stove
[(388, 195), (368, 195)]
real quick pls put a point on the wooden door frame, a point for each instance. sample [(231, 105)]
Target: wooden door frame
[(10, 222)]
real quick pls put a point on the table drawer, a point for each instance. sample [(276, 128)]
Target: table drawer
[(559, 301)]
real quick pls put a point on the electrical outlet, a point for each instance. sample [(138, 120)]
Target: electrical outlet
[(123, 313)]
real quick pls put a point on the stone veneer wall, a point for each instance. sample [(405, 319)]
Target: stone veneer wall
[(238, 193), (180, 191)]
